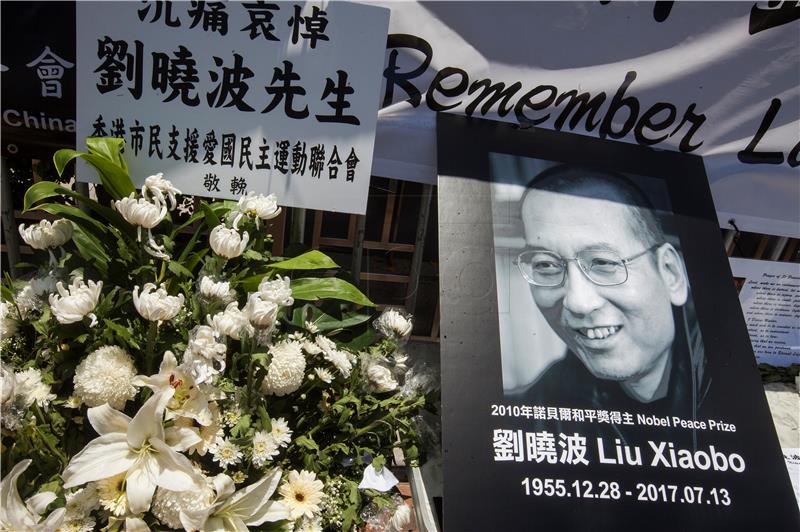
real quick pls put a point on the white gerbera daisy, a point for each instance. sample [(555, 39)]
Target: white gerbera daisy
[(112, 494), (281, 431), (85, 524), (286, 370), (264, 448), (302, 493), (226, 453), (104, 376), (309, 525)]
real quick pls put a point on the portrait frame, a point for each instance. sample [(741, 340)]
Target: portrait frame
[(475, 406)]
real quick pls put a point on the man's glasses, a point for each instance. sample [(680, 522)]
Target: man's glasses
[(602, 267)]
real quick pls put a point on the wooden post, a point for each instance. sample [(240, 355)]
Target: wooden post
[(419, 245), (8, 221), (298, 228), (358, 246)]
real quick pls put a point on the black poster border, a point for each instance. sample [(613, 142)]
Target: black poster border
[(483, 495)]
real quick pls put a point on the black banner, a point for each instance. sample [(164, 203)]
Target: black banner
[(597, 373), (38, 77)]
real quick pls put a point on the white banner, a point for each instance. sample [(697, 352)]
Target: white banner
[(717, 79), (225, 98)]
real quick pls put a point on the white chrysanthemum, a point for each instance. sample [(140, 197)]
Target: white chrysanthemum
[(264, 207), (324, 375), (82, 502), (86, 524), (104, 376), (302, 493), (226, 453), (167, 504), (325, 343), (112, 495), (156, 304), (265, 448), (27, 301), (381, 379), (394, 324), (281, 431), (220, 290), (309, 525), (205, 354), (8, 322), (158, 190), (286, 370), (232, 322), (340, 360), (30, 387), (45, 285), (73, 303), (311, 327), (46, 235), (228, 243), (261, 313), (277, 290), (311, 348)]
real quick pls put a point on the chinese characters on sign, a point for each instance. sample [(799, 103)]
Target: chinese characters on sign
[(227, 98)]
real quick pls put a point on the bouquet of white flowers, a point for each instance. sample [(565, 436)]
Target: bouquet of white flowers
[(153, 381)]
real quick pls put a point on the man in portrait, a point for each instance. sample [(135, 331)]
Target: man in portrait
[(615, 290)]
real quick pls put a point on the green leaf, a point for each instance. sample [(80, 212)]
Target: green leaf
[(91, 249), (211, 218), (109, 148), (123, 333), (71, 213), (313, 289), (178, 269), (378, 462), (312, 260), (252, 254), (106, 158), (48, 189)]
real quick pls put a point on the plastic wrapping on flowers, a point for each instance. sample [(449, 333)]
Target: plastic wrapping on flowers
[(159, 376)]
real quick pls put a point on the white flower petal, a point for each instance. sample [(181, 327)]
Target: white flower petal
[(53, 521), (195, 519), (224, 486), (37, 503), (181, 438), (102, 457), (12, 511), (175, 470), (252, 503), (140, 484), (135, 524), (106, 420), (147, 422)]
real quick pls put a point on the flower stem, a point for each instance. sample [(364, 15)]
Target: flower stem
[(152, 336)]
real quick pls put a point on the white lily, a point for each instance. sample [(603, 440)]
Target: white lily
[(235, 511), (188, 400), (26, 517), (71, 305), (228, 243), (138, 447), (158, 305)]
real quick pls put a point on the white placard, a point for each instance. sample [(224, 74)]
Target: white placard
[(225, 98), (792, 457), (770, 301)]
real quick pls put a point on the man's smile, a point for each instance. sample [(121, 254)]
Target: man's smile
[(598, 333)]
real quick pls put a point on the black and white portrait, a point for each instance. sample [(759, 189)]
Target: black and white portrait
[(594, 298)]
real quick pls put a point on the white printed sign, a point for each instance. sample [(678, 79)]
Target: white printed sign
[(225, 98), (770, 301)]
